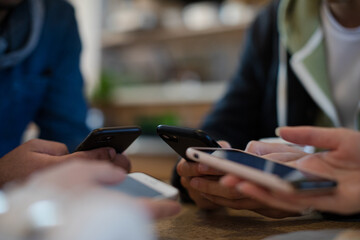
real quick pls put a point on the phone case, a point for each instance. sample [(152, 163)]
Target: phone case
[(180, 138), (118, 138)]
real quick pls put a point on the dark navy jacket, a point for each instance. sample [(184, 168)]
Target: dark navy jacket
[(47, 87)]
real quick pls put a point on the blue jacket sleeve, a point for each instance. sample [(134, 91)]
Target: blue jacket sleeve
[(64, 109)]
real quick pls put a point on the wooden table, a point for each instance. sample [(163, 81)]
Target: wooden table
[(192, 223)]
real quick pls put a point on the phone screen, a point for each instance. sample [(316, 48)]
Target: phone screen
[(136, 189), (299, 179)]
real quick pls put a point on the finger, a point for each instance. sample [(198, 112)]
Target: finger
[(315, 163), (122, 161), (185, 182), (47, 147), (214, 188), (79, 173), (187, 169), (107, 154), (161, 209), (101, 172), (224, 144), (319, 201), (196, 196), (230, 180), (266, 197), (262, 148), (284, 157), (204, 169), (328, 138)]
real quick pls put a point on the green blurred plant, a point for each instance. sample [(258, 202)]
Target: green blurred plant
[(148, 124)]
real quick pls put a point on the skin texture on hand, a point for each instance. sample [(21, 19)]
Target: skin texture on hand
[(203, 186), (38, 154), (340, 161)]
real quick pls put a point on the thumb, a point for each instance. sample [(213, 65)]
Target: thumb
[(224, 144)]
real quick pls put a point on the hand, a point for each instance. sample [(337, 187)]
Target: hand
[(37, 154), (341, 162), (194, 176), (275, 151), (204, 188), (83, 177), (77, 195)]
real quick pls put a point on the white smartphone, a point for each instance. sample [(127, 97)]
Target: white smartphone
[(142, 185), (267, 173)]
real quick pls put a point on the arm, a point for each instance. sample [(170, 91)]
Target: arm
[(38, 154)]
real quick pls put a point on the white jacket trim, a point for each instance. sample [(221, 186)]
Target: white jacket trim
[(282, 101), (307, 79)]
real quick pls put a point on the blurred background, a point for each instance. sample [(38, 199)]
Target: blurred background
[(150, 62)]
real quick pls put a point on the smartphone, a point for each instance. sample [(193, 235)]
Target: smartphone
[(272, 175), (180, 139), (118, 138), (142, 185)]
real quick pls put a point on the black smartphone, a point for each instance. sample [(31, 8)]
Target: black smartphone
[(118, 138), (180, 139)]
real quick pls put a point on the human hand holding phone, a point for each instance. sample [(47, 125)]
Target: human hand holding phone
[(115, 139), (200, 180), (203, 186), (179, 139), (340, 161)]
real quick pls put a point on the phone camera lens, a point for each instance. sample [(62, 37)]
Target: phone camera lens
[(196, 155), (166, 136), (108, 138)]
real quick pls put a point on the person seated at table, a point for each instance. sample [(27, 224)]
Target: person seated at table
[(339, 161), (71, 201), (40, 79), (300, 66)]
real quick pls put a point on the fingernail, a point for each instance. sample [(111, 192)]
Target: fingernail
[(112, 153), (277, 131), (203, 168)]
